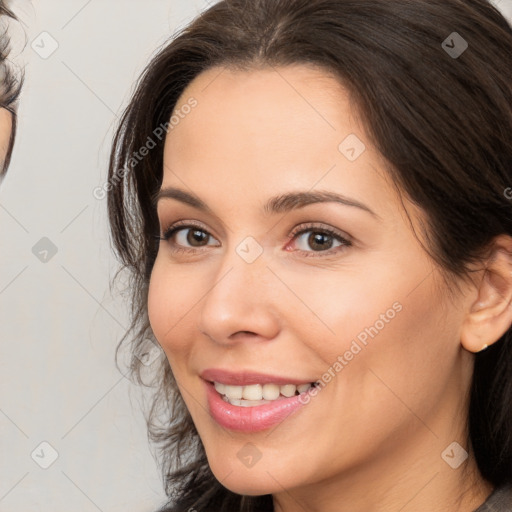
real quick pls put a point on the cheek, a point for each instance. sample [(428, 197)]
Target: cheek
[(5, 132), (405, 352), (352, 308), (158, 302), (419, 349), (171, 299), (378, 329)]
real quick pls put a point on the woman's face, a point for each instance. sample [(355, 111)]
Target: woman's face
[(5, 137), (277, 278)]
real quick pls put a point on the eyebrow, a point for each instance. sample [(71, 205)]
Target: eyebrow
[(278, 204)]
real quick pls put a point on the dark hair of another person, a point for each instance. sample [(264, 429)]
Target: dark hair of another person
[(10, 86), (444, 125)]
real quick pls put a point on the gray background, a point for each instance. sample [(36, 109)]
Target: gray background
[(59, 323)]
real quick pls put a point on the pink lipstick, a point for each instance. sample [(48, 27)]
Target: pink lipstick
[(253, 414)]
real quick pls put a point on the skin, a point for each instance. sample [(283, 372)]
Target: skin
[(5, 135), (371, 440)]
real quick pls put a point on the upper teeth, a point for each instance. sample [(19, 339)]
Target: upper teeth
[(259, 391)]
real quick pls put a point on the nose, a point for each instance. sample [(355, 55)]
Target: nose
[(241, 303)]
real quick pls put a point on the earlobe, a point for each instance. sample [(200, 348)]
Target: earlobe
[(490, 315)]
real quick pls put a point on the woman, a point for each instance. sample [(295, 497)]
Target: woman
[(10, 87), (310, 198)]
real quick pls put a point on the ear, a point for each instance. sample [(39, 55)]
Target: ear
[(490, 315)]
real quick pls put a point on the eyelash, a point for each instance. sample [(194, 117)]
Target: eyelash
[(179, 226)]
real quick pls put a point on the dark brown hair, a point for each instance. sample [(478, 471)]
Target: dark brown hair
[(442, 121), (10, 86)]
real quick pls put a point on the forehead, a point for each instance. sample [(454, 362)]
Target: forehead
[(303, 93), (260, 116), (263, 130)]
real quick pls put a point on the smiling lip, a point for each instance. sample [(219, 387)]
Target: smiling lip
[(251, 419), (246, 378), (257, 417)]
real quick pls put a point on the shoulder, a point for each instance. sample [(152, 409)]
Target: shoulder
[(499, 501)]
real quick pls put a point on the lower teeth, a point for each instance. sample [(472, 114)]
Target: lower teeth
[(245, 403)]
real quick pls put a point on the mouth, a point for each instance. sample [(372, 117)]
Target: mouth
[(251, 402)]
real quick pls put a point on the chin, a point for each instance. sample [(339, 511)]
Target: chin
[(248, 481), (250, 486)]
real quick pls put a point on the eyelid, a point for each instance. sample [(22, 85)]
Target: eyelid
[(184, 224), (167, 210), (311, 226)]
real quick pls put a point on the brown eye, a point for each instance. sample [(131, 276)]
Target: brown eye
[(190, 236), (318, 240), (196, 237)]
